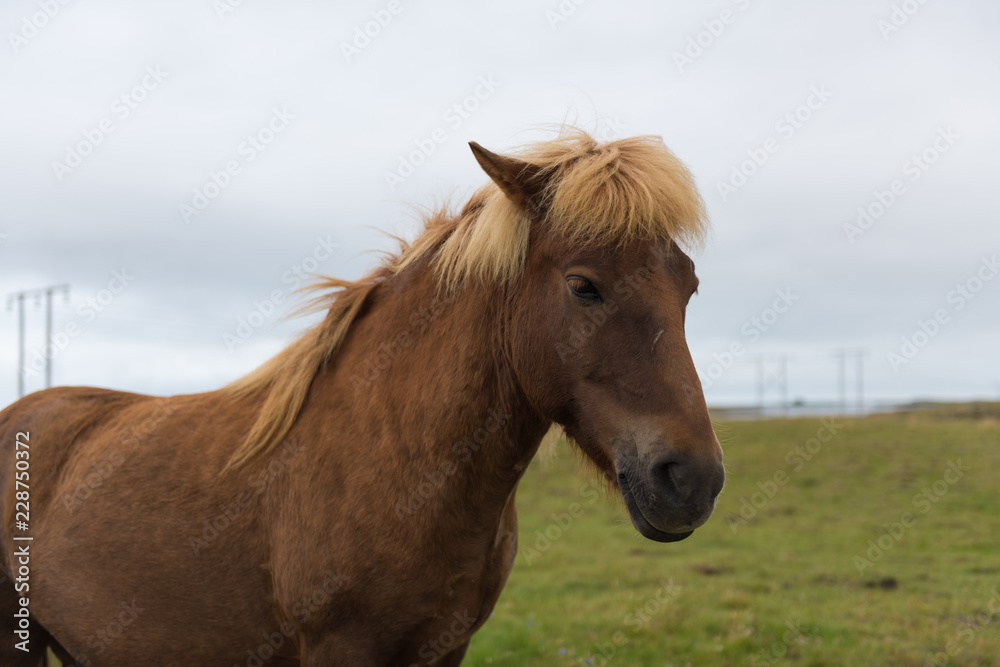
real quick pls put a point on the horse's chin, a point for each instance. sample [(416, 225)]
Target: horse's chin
[(641, 523)]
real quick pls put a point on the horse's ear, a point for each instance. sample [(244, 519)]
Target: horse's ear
[(519, 180)]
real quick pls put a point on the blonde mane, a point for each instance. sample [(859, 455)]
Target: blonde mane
[(596, 194)]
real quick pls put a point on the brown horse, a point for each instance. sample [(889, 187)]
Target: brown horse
[(351, 502)]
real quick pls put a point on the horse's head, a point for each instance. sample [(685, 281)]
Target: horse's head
[(596, 331)]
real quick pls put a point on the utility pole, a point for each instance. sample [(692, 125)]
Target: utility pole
[(781, 377), (841, 380), (20, 344), (842, 355), (783, 381), (760, 383), (47, 292), (860, 358)]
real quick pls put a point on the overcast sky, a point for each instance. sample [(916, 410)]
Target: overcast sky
[(178, 164)]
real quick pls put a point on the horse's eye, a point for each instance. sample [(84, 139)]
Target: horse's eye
[(583, 288)]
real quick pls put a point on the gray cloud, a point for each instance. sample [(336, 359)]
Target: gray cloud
[(607, 64)]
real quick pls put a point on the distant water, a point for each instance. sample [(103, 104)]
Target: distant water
[(802, 410)]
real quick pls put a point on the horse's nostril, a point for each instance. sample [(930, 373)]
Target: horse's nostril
[(673, 478)]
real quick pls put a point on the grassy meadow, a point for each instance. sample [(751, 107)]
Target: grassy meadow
[(851, 541)]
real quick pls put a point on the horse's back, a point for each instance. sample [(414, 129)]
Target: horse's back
[(61, 408), (122, 485), (48, 424), (61, 413), (37, 435)]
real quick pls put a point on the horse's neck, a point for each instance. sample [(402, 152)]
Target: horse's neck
[(424, 382)]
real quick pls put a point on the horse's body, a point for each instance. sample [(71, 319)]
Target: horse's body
[(368, 518), (272, 556)]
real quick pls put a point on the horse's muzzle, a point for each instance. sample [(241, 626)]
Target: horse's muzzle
[(670, 496)]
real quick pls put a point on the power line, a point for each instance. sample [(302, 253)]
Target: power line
[(19, 297), (842, 354), (781, 378)]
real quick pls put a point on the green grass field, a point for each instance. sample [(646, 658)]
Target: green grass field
[(878, 544)]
